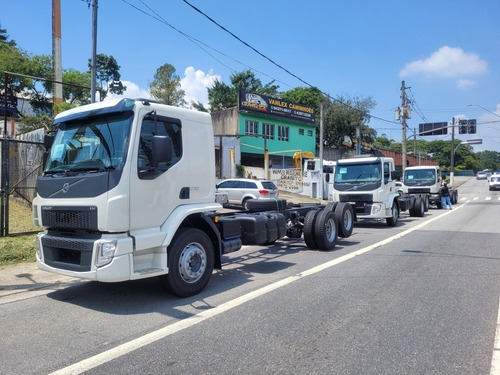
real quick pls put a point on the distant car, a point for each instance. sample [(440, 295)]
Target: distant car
[(240, 190), (481, 175), (495, 181)]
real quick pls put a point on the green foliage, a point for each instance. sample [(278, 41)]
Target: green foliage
[(73, 94), (310, 96), (166, 86), (17, 249), (343, 115), (240, 170), (108, 75), (222, 96)]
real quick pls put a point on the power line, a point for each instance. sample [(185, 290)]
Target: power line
[(200, 44)]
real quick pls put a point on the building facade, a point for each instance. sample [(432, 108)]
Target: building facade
[(260, 134)]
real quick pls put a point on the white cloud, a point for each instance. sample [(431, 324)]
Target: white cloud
[(464, 84), (195, 84), (447, 62)]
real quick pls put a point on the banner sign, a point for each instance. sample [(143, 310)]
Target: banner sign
[(263, 104)]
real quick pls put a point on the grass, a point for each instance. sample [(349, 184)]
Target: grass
[(17, 249)]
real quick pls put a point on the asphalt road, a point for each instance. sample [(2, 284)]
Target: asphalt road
[(419, 298)]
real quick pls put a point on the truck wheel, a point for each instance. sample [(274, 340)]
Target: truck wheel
[(190, 263), (412, 209), (268, 204), (344, 215), (309, 221), (393, 220), (419, 207), (325, 230), (426, 203)]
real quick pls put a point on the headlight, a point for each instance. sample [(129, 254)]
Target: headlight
[(105, 253), (376, 208)]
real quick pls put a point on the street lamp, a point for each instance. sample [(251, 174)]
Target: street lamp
[(480, 106)]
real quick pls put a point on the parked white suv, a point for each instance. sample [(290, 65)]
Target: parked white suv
[(240, 190)]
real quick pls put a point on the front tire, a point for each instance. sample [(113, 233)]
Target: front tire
[(190, 263), (393, 220)]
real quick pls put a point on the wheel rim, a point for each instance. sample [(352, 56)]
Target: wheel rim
[(330, 230), (394, 212), (192, 262), (348, 220)]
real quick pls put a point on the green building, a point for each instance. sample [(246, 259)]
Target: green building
[(262, 128)]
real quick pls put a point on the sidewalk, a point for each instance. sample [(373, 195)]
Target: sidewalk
[(24, 277)]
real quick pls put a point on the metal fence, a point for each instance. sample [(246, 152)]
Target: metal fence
[(21, 165)]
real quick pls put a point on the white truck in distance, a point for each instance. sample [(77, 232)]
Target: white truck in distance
[(128, 193), (369, 185), (425, 181)]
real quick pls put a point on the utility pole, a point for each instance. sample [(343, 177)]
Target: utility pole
[(93, 68), (452, 158), (56, 50), (321, 177), (403, 113)]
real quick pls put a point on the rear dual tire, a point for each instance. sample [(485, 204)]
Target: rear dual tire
[(320, 229)]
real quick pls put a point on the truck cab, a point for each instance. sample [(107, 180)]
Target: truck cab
[(369, 184), (120, 177)]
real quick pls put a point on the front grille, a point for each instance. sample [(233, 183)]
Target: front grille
[(356, 198), (70, 218), (69, 253)]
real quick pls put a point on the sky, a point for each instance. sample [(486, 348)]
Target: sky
[(446, 51)]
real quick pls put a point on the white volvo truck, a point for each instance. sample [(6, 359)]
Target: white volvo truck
[(128, 193), (369, 185), (425, 181)]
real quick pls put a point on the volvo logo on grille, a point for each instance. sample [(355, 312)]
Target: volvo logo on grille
[(65, 188)]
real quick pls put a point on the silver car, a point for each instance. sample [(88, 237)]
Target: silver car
[(240, 190)]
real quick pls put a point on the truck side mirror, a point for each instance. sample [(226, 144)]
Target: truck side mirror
[(161, 150), (48, 140), (395, 175)]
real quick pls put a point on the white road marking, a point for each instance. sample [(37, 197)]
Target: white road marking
[(121, 350), (495, 361)]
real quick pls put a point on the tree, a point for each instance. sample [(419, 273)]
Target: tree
[(343, 115), (166, 86), (310, 96), (222, 96), (108, 75), (73, 94)]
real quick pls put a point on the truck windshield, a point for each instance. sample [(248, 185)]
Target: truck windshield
[(355, 173), (419, 177), (90, 144)]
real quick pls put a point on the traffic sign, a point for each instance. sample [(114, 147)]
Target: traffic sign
[(433, 128)]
